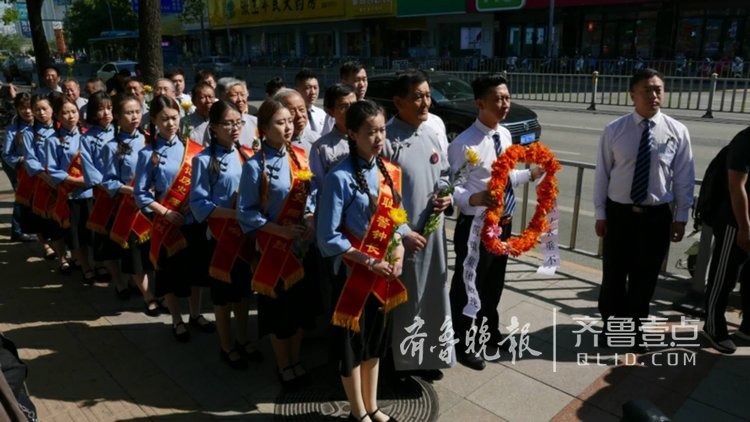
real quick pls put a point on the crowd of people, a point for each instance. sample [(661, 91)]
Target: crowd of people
[(322, 211)]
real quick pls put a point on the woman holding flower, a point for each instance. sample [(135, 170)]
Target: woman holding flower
[(276, 206), (362, 196)]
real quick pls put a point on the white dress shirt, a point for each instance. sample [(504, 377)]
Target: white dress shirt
[(316, 119), (479, 137), (185, 98), (328, 125), (671, 174)]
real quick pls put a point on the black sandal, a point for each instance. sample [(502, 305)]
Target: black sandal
[(356, 419), (50, 254), (226, 357), (182, 337), (200, 322), (390, 419), (65, 268), (102, 274), (123, 294), (152, 312), (253, 356), (89, 277)]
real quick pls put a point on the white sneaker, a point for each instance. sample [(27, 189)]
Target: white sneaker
[(726, 346), (742, 335)]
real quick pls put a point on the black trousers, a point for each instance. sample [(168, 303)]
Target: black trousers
[(490, 280), (728, 263), (634, 248)]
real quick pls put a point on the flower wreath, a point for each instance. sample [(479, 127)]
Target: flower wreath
[(546, 191)]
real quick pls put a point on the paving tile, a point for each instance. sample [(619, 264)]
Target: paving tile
[(468, 411), (726, 391), (446, 398), (462, 381), (502, 396), (694, 410), (578, 410)]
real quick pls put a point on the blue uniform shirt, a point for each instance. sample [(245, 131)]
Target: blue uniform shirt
[(249, 213), (34, 148), (152, 181), (60, 151), (210, 190), (346, 206), (91, 159), (13, 150), (119, 170)]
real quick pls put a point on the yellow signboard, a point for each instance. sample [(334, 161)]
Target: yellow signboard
[(365, 8), (243, 12)]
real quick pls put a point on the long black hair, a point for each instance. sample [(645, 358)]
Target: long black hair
[(57, 105), (96, 101), (356, 116), (216, 116), (157, 105), (118, 103)]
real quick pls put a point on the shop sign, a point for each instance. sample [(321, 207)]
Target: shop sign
[(242, 12), (430, 7), (365, 8), (499, 5)]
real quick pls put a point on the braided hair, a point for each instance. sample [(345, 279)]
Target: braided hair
[(34, 100), (356, 116), (22, 99), (267, 110), (157, 105), (123, 148)]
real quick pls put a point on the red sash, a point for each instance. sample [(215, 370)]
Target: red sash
[(277, 260), (231, 242), (104, 209), (164, 233), (44, 198), (129, 218), (361, 281), (61, 209), (26, 184)]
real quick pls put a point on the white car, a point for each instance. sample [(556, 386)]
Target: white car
[(108, 70)]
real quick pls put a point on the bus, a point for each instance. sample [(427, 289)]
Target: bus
[(123, 45)]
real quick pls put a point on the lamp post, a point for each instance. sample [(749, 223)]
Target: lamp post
[(551, 29), (111, 22)]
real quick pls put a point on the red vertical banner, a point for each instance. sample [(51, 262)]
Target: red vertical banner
[(59, 37)]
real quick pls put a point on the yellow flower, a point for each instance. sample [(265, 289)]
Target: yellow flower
[(186, 105), (398, 215), (147, 88), (472, 156), (304, 175), (69, 61)]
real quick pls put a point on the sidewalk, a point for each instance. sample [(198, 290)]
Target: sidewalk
[(94, 358)]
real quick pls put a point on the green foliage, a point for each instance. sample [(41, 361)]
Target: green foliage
[(192, 10), (10, 15), (87, 19), (14, 43)]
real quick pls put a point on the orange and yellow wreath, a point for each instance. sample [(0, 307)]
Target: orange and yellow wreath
[(546, 192)]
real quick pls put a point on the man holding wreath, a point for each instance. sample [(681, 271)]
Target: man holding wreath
[(489, 139)]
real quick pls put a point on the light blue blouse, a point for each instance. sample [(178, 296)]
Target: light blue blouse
[(60, 151), (346, 206), (153, 181), (34, 143), (119, 170), (12, 151), (249, 212), (210, 190), (91, 158)]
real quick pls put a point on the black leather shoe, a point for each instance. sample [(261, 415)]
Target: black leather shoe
[(23, 237), (472, 361)]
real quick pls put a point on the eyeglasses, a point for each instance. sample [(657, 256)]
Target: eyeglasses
[(231, 125)]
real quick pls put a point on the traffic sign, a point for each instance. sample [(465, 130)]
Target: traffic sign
[(499, 5)]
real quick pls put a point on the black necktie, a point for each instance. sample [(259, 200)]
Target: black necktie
[(509, 198), (639, 187)]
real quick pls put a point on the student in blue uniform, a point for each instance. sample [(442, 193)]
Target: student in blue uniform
[(61, 150), (181, 274), (264, 187), (13, 155), (213, 193), (34, 163), (350, 193), (119, 160), (101, 132)]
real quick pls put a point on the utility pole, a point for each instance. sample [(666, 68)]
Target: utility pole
[(551, 29)]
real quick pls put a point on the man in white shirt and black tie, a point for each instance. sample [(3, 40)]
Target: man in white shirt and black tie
[(489, 139), (644, 164)]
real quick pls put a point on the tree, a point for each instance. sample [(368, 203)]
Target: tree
[(13, 43), (149, 40), (10, 15), (87, 19), (38, 39), (193, 11)]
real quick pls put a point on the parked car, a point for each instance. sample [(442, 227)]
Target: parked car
[(108, 70), (453, 101), (18, 69), (221, 65)]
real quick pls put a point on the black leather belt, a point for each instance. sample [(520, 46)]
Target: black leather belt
[(637, 209)]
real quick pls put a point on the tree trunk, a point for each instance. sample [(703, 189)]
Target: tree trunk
[(41, 47), (149, 40)]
